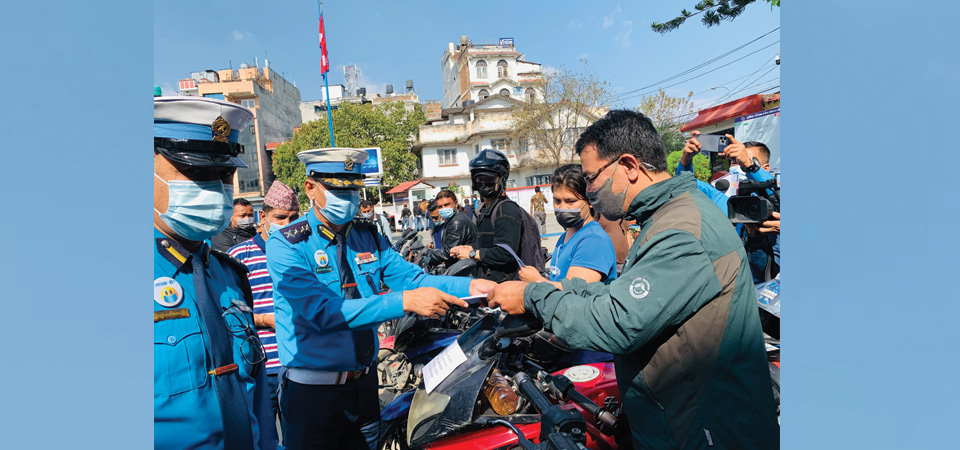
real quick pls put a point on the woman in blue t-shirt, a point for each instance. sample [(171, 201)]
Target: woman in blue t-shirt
[(585, 251)]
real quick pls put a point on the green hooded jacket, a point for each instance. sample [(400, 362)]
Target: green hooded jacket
[(683, 324)]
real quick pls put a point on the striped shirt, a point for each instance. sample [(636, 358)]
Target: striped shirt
[(250, 254)]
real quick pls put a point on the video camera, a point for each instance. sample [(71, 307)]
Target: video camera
[(745, 207)]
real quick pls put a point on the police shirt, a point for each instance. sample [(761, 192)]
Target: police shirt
[(314, 322), (185, 408)]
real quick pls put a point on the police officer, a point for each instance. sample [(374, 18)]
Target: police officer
[(327, 270), (209, 386)]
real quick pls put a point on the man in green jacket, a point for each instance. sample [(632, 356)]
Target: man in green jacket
[(681, 319)]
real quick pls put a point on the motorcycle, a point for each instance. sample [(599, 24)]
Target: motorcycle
[(768, 297), (466, 410), (414, 341)]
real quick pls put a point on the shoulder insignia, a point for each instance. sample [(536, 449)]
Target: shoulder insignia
[(296, 232), (234, 262)]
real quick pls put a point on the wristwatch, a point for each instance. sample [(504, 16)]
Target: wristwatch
[(473, 254), (755, 167)]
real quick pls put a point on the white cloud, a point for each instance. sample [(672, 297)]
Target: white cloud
[(240, 35), (608, 20), (167, 89), (574, 25), (549, 70), (623, 37)]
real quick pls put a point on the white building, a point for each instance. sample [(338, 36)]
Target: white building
[(475, 71)]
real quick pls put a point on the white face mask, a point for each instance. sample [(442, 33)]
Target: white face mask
[(245, 222), (197, 210)]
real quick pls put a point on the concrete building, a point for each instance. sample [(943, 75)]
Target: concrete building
[(274, 103), (317, 109), (475, 71)]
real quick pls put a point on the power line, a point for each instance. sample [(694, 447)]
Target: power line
[(731, 92), (698, 66), (726, 82), (697, 76)]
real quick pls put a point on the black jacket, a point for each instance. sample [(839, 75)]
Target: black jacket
[(231, 237), (496, 263), (459, 230)]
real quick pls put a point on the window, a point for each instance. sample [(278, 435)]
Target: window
[(538, 179), (248, 103), (481, 69), (523, 146), (502, 145), (530, 94), (447, 157), (505, 92), (502, 69), (483, 94)]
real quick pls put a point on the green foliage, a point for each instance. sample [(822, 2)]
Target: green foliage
[(388, 126), (701, 165), (713, 12)]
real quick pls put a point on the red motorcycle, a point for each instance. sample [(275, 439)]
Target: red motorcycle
[(494, 399)]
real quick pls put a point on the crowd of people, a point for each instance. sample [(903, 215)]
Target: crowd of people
[(273, 321)]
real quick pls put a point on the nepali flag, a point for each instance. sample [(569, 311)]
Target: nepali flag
[(324, 62)]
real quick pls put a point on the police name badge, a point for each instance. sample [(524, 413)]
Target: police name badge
[(167, 292), (323, 261)]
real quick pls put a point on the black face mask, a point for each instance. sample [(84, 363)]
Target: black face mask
[(486, 191), (569, 218)]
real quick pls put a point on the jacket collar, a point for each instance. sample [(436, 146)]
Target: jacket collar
[(322, 230), (649, 200), (173, 252)]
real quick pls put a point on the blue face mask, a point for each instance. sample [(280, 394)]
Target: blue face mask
[(446, 213), (197, 210), (342, 205), (367, 215)]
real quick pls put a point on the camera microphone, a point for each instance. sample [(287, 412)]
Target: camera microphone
[(722, 185)]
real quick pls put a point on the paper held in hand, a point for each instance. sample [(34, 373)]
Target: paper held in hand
[(442, 366)]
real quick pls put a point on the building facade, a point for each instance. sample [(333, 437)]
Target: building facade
[(475, 71), (274, 103)]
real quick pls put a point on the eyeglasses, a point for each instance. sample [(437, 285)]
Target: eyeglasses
[(251, 348), (591, 178)]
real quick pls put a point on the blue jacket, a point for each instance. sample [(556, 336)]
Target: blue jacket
[(314, 322), (186, 413), (718, 198)]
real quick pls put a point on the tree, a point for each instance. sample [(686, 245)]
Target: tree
[(565, 104), (701, 165), (387, 125), (667, 114), (713, 12)]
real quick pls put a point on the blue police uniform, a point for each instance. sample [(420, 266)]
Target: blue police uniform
[(210, 390), (328, 305)]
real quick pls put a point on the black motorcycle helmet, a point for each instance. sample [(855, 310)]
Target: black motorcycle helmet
[(489, 162)]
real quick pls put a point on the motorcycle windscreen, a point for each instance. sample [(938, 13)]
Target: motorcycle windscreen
[(451, 405)]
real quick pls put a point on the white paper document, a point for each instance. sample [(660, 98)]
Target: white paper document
[(442, 366)]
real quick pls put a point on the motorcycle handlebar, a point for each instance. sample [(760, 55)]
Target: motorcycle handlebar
[(568, 391)]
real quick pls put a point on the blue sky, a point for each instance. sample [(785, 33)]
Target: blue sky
[(391, 42)]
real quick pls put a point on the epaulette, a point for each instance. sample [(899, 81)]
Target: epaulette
[(296, 232), (237, 265)]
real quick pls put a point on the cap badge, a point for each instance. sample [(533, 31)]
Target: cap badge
[(221, 129), (348, 164)]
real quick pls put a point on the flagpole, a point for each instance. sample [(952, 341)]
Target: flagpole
[(326, 85), (329, 117)]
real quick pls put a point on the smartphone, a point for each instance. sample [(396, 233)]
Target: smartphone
[(713, 142)]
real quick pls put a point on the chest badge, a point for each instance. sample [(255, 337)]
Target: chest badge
[(365, 258), (321, 258), (167, 292)]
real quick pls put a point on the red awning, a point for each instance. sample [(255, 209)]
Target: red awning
[(726, 111), (402, 187)]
